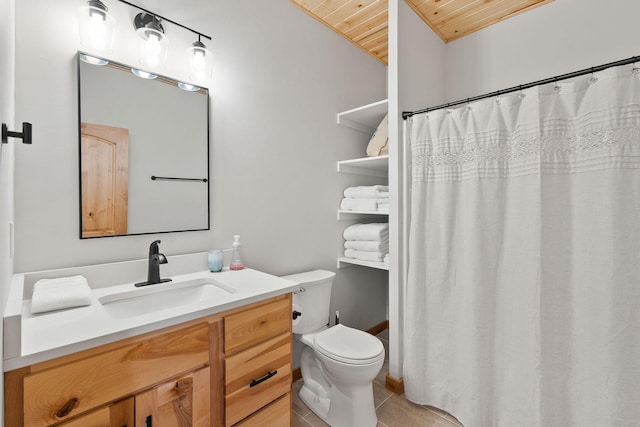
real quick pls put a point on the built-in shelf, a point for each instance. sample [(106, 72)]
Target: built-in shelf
[(370, 166), (348, 262), (342, 214), (366, 118)]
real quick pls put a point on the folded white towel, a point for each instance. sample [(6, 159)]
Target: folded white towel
[(367, 191), (372, 231), (349, 204), (364, 255), (63, 292), (367, 245)]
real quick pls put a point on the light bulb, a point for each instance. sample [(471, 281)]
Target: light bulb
[(96, 28)]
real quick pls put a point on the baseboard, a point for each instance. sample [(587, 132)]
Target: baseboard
[(375, 330), (297, 374), (394, 384), (382, 326)]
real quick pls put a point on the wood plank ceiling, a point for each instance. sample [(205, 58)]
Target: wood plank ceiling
[(365, 22)]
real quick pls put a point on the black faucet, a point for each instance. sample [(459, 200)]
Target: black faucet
[(155, 259)]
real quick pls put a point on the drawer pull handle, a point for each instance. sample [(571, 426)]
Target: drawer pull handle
[(148, 421), (67, 407), (266, 377)]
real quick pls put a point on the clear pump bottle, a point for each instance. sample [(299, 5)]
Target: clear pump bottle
[(236, 263)]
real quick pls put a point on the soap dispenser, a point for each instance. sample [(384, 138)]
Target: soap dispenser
[(236, 263)]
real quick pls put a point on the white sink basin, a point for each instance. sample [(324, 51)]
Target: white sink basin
[(163, 296)]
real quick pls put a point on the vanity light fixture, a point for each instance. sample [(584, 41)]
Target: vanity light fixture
[(152, 42), (200, 60), (96, 26), (94, 60), (144, 74), (188, 87)]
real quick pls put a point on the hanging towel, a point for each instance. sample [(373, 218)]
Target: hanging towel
[(364, 255), (349, 204), (372, 231), (367, 192), (60, 293), (368, 245)]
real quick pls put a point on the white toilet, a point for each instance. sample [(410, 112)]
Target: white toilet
[(338, 364)]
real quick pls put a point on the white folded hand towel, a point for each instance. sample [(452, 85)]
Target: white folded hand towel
[(350, 204), (372, 231), (364, 255), (367, 245), (60, 293), (367, 191)]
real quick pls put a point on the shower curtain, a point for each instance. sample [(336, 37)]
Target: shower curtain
[(523, 295)]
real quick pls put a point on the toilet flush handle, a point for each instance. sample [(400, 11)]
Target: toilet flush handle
[(296, 314)]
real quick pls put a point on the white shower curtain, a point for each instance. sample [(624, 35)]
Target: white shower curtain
[(523, 297)]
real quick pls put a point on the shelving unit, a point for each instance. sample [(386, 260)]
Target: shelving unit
[(346, 262), (360, 214), (370, 166), (365, 119)]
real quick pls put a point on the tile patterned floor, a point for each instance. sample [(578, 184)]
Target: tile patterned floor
[(392, 410)]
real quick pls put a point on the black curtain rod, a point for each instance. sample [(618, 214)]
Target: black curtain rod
[(166, 19), (407, 114)]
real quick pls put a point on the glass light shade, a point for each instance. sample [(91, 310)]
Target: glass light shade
[(188, 87), (97, 29), (200, 60), (152, 47), (144, 74), (94, 60)]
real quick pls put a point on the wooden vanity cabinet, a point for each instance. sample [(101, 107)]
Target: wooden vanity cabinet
[(228, 368), (257, 344), (119, 414)]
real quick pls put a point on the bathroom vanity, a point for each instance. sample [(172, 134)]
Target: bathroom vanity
[(219, 359)]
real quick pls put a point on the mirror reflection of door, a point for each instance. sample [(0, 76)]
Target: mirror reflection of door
[(105, 180)]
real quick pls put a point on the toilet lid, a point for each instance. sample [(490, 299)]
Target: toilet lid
[(348, 345)]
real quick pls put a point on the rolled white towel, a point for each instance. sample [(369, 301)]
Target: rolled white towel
[(364, 255), (60, 293), (350, 204), (367, 245), (372, 231), (386, 258), (367, 191)]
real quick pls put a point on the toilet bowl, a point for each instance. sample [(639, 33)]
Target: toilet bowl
[(339, 363)]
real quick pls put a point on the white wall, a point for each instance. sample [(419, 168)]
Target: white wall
[(279, 79), (7, 114), (557, 38)]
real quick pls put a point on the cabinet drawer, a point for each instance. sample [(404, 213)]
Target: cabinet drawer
[(257, 324), (257, 376), (56, 394), (277, 413), (118, 414)]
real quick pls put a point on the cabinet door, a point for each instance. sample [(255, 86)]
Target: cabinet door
[(120, 414), (182, 402)]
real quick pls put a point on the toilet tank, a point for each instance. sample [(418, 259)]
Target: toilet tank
[(311, 298)]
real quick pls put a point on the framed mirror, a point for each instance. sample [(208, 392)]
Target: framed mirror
[(144, 152)]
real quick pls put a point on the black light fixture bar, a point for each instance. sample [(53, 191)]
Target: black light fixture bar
[(633, 59), (165, 19)]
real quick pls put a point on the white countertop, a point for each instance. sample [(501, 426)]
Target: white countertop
[(48, 335)]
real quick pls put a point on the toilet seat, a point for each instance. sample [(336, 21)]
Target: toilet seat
[(348, 345)]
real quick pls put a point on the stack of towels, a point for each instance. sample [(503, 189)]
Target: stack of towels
[(367, 242), (60, 293), (366, 198)]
